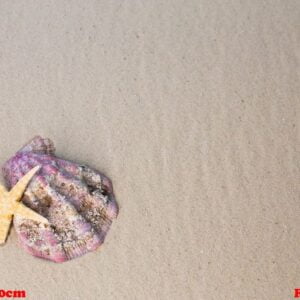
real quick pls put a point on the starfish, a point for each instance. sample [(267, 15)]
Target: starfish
[(10, 205)]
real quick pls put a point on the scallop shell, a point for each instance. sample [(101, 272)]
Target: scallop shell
[(77, 200)]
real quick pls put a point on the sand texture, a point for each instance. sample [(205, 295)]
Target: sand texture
[(190, 107)]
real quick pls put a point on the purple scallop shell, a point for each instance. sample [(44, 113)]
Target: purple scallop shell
[(77, 201)]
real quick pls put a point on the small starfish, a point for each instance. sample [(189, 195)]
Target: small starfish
[(10, 205)]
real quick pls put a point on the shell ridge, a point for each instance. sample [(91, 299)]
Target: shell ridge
[(74, 199), (57, 229)]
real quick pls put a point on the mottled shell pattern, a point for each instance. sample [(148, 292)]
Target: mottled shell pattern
[(77, 201)]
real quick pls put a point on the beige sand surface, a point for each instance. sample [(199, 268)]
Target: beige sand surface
[(190, 107)]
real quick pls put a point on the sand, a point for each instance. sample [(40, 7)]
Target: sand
[(190, 107)]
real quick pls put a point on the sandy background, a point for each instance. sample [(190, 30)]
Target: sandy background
[(190, 107)]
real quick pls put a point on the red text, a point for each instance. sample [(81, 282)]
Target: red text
[(12, 294)]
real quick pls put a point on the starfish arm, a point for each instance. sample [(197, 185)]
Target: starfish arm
[(18, 190), (27, 213), (5, 221), (2, 190)]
